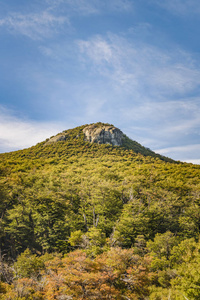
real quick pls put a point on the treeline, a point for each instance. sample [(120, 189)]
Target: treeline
[(125, 225)]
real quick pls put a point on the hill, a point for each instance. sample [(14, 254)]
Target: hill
[(85, 139), (92, 188)]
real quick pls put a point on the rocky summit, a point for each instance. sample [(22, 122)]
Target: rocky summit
[(105, 134), (99, 133)]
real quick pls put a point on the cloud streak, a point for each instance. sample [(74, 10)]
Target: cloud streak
[(154, 85), (152, 92), (183, 153), (91, 7), (36, 26), (159, 123), (141, 66), (135, 78), (57, 14), (180, 7)]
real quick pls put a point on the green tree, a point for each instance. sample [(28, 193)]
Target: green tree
[(28, 265)]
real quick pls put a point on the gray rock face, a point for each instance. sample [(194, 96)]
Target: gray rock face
[(103, 134), (57, 138)]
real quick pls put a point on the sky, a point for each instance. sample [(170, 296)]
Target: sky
[(131, 63)]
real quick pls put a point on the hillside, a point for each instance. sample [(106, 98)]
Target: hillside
[(101, 133), (93, 193)]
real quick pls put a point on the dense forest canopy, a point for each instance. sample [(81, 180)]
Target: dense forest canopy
[(81, 220)]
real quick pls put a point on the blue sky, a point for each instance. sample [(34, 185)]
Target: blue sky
[(132, 63)]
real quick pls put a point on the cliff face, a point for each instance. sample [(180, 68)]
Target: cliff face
[(103, 134)]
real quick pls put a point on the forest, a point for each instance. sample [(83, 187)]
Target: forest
[(80, 220)]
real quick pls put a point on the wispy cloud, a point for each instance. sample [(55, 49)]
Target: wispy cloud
[(57, 14), (186, 148), (98, 50), (138, 66), (183, 153), (181, 7), (151, 91), (33, 25), (16, 133), (154, 86), (161, 122), (187, 112), (88, 7)]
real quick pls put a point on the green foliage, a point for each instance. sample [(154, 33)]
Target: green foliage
[(162, 245), (96, 241), (76, 239), (48, 192), (57, 197), (28, 265)]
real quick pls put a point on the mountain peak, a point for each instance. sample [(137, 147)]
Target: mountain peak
[(103, 134), (100, 133)]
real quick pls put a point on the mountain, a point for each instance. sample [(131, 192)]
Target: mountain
[(101, 133), (98, 198)]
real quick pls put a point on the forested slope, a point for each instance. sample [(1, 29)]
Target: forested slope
[(98, 222)]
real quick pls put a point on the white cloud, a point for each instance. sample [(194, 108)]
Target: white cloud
[(33, 25), (98, 50), (16, 133)]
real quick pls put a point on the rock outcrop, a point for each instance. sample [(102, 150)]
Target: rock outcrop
[(57, 138), (103, 134), (95, 133)]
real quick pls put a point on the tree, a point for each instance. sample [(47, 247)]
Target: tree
[(28, 265)]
